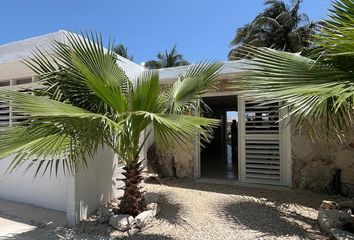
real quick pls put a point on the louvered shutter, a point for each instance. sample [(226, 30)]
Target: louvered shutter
[(17, 117), (7, 114), (4, 114), (260, 153)]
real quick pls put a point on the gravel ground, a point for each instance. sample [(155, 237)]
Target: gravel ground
[(194, 211)]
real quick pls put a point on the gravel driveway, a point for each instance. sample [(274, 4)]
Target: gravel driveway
[(191, 210)]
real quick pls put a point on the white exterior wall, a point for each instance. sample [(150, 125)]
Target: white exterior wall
[(78, 195), (93, 186), (21, 186)]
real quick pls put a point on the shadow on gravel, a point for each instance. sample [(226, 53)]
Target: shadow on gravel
[(280, 197), (46, 233), (268, 219), (170, 210), (42, 235)]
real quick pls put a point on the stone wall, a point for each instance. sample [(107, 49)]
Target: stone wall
[(184, 162), (316, 162), (179, 163)]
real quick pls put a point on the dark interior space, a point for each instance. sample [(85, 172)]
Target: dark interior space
[(219, 157)]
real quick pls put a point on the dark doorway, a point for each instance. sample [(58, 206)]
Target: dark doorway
[(219, 157)]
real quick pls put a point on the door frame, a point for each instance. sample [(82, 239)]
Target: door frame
[(284, 144), (197, 148)]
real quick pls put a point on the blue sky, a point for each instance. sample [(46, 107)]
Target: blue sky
[(202, 29)]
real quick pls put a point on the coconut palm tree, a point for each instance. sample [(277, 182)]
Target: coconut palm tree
[(319, 88), (167, 59), (122, 51), (279, 26), (88, 101)]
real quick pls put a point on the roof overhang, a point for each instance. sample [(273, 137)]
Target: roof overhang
[(12, 55), (230, 70)]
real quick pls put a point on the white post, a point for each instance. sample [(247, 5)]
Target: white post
[(241, 138), (71, 215), (285, 148)]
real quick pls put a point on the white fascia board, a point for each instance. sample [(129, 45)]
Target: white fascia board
[(12, 54), (19, 50), (229, 68)]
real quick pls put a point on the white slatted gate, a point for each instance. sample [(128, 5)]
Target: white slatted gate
[(264, 145)]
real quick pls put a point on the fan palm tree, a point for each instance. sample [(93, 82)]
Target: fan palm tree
[(319, 88), (279, 27), (122, 51), (167, 59), (88, 101)]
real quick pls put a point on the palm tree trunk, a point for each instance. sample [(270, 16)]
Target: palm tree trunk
[(132, 202)]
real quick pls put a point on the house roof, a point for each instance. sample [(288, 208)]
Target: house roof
[(229, 68), (19, 50), (16, 51), (13, 53)]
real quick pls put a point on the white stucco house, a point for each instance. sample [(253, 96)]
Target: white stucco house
[(267, 154), (77, 195)]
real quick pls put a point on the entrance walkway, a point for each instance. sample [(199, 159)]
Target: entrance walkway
[(219, 164)]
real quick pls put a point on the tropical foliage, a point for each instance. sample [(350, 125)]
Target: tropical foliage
[(319, 88), (167, 59), (279, 27), (122, 51), (88, 101)]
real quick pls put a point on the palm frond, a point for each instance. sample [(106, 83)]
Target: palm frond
[(241, 34), (183, 93), (100, 70), (145, 94), (167, 59), (61, 78), (266, 22), (122, 51), (274, 8), (279, 27), (153, 64), (53, 131), (310, 90), (42, 107), (337, 35), (178, 130)]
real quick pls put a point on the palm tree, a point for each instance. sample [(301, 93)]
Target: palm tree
[(88, 101), (122, 51), (279, 26), (167, 59), (319, 88)]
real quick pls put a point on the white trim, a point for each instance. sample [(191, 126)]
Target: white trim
[(219, 94), (241, 139), (197, 163), (285, 148)]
